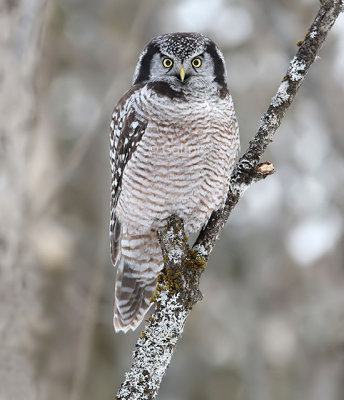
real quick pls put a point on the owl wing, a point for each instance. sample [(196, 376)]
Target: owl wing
[(127, 128)]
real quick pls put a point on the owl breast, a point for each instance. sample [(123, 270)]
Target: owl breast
[(182, 164)]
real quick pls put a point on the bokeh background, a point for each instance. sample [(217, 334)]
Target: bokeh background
[(271, 324)]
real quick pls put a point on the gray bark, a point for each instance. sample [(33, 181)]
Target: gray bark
[(21, 25)]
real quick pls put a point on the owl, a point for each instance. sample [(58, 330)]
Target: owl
[(173, 142)]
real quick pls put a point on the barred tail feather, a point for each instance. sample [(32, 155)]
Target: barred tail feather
[(115, 238), (134, 288)]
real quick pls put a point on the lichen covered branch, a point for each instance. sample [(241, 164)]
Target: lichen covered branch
[(176, 293), (247, 171), (177, 289)]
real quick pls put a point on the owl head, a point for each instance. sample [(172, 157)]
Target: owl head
[(182, 60)]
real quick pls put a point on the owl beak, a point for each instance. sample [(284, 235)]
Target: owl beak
[(182, 74)]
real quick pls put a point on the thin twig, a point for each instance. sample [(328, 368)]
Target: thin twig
[(177, 289)]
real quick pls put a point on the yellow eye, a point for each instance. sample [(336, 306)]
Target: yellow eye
[(167, 62), (196, 62)]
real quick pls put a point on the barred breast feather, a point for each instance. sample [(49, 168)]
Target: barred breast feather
[(170, 154)]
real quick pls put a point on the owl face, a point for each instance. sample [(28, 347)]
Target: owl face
[(182, 60)]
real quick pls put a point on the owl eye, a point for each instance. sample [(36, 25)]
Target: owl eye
[(167, 62), (196, 62)]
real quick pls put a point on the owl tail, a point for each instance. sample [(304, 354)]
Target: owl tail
[(139, 266)]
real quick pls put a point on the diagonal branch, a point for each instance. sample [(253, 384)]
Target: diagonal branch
[(245, 172), (178, 286)]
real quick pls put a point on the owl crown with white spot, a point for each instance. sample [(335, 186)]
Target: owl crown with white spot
[(181, 46)]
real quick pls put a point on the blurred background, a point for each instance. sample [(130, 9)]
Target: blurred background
[(271, 324)]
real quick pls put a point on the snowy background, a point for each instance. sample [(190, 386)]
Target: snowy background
[(271, 324)]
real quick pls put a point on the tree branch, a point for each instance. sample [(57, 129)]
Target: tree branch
[(178, 285)]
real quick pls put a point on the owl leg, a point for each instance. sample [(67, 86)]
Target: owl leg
[(138, 269)]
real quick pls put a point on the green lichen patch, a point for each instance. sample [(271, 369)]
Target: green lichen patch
[(156, 295), (195, 261), (166, 280), (170, 279), (143, 335)]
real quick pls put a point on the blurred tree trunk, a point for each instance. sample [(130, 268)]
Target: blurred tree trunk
[(21, 27)]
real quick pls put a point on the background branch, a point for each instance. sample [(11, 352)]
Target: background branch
[(177, 289)]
